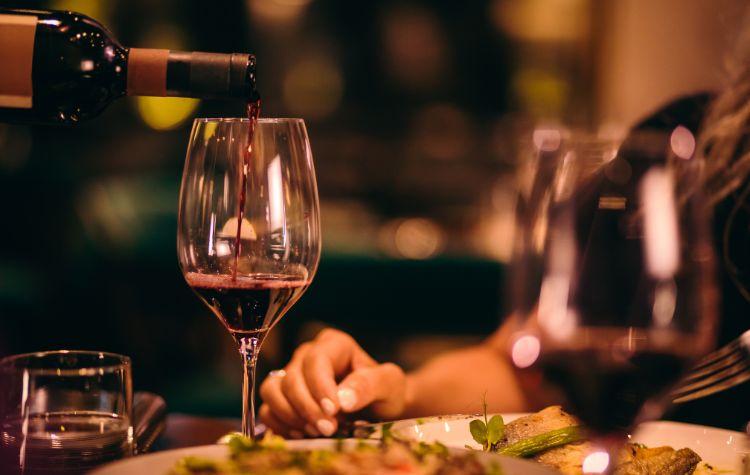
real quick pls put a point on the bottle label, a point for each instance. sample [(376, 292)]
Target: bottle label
[(16, 57)]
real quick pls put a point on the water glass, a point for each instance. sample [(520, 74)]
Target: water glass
[(64, 412)]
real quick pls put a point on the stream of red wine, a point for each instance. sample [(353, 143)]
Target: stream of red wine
[(253, 112)]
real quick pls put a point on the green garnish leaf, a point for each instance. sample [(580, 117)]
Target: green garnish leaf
[(385, 430), (478, 431), (495, 429)]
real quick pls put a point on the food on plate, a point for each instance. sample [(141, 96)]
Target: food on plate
[(271, 455), (554, 438)]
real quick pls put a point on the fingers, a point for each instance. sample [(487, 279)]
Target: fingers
[(277, 403), (383, 386), (333, 355), (295, 390), (308, 397), (318, 371), (265, 415)]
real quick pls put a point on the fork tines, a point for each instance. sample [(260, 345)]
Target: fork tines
[(719, 370)]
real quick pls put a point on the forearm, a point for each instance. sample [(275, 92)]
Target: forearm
[(458, 382)]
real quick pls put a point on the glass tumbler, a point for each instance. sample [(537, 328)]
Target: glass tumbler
[(64, 412)]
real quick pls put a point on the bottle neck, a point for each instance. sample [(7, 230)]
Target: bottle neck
[(159, 72)]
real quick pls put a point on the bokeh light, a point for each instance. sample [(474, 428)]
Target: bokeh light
[(542, 93), (414, 47), (95, 9), (412, 238), (541, 20), (165, 113), (276, 12), (313, 87), (525, 351), (596, 462), (682, 142)]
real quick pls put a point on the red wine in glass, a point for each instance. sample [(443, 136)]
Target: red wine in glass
[(247, 305), (607, 390)]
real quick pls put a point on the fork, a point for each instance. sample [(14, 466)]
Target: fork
[(724, 368)]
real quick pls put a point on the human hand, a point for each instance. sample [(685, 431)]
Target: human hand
[(329, 377)]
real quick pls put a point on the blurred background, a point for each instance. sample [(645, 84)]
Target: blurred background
[(416, 111)]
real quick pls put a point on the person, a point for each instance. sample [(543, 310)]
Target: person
[(332, 376)]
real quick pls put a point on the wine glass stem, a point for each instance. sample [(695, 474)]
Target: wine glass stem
[(249, 348)]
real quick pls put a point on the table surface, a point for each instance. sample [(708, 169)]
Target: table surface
[(185, 430)]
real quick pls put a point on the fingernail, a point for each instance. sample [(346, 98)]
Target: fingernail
[(325, 427), (311, 431), (347, 398), (328, 406), (295, 434)]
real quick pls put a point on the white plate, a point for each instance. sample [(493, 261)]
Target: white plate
[(721, 448), (160, 463)]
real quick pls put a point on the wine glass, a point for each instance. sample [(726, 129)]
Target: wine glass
[(248, 236), (626, 297)]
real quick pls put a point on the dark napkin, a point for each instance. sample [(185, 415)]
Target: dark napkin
[(149, 416)]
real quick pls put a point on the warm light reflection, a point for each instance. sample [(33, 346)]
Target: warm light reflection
[(229, 230), (165, 113), (313, 87), (277, 207), (682, 142), (223, 249), (660, 232), (525, 351), (209, 129), (665, 301), (596, 462), (554, 315), (546, 139)]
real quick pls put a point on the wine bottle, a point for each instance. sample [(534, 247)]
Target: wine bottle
[(64, 67)]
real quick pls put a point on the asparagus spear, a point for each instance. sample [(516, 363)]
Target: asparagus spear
[(539, 443)]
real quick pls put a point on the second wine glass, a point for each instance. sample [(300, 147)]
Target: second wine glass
[(625, 296), (248, 233)]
